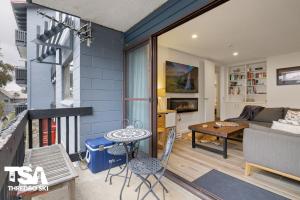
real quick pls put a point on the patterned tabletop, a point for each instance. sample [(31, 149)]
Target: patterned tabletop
[(127, 135)]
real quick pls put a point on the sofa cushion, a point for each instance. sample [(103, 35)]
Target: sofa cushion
[(287, 121), (264, 124), (269, 115), (286, 127), (272, 131)]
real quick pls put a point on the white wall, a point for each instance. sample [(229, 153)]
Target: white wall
[(75, 101), (287, 95), (209, 90), (40, 90), (183, 119)]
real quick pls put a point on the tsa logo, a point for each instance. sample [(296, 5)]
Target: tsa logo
[(29, 180)]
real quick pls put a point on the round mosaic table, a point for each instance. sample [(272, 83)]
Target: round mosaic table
[(126, 136)]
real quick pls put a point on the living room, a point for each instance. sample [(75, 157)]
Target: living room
[(242, 53)]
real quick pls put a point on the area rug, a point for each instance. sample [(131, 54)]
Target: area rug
[(225, 187)]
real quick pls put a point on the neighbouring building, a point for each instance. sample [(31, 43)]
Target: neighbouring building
[(11, 100)]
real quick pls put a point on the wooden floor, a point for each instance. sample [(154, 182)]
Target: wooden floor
[(192, 163)]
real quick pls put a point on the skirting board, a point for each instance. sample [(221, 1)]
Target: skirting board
[(248, 167)]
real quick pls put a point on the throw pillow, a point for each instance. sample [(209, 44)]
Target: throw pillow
[(286, 127), (269, 115), (287, 121), (292, 115), (287, 109)]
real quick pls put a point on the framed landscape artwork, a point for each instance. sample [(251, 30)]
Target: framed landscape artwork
[(288, 76), (181, 78)]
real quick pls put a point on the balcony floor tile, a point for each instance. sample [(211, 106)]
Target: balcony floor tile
[(91, 186)]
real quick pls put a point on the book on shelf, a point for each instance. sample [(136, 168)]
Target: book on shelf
[(234, 77), (247, 81), (234, 90)]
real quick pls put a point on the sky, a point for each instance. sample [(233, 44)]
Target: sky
[(7, 39)]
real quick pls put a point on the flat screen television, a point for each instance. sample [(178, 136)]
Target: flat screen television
[(181, 78)]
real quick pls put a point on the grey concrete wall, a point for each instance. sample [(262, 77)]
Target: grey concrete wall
[(40, 89), (101, 82)]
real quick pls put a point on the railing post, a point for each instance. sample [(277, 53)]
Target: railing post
[(67, 134), (30, 134), (58, 130), (41, 132), (76, 133), (49, 132)]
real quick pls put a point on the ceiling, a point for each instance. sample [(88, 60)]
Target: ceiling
[(256, 29), (116, 14)]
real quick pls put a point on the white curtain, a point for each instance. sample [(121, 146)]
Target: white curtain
[(138, 87)]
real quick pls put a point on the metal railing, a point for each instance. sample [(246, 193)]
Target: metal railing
[(55, 115), (17, 140), (21, 76), (20, 108), (21, 37)]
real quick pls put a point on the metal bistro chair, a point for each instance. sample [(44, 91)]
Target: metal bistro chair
[(146, 167), (119, 150)]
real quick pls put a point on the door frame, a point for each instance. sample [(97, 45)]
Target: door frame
[(154, 59), (150, 99), (153, 64), (152, 40)]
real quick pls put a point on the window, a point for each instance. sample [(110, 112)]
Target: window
[(68, 81)]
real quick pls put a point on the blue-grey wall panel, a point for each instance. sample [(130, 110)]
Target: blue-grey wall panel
[(168, 13), (101, 81)]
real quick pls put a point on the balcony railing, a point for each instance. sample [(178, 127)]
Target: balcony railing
[(21, 40), (21, 37), (16, 138), (21, 76), (20, 108)]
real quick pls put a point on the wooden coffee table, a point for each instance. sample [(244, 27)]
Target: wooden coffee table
[(224, 132)]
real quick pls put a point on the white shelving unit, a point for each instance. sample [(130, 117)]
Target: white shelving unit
[(247, 83), (256, 82), (236, 80)]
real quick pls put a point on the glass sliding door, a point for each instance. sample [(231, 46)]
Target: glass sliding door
[(138, 89)]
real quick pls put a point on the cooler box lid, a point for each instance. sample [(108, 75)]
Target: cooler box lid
[(96, 142)]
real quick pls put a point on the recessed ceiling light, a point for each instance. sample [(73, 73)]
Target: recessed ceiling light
[(194, 36), (235, 53)]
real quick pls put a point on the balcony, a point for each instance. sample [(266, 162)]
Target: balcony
[(21, 41), (21, 76), (15, 139), (26, 132)]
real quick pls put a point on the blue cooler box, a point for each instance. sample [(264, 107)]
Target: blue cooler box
[(97, 156)]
